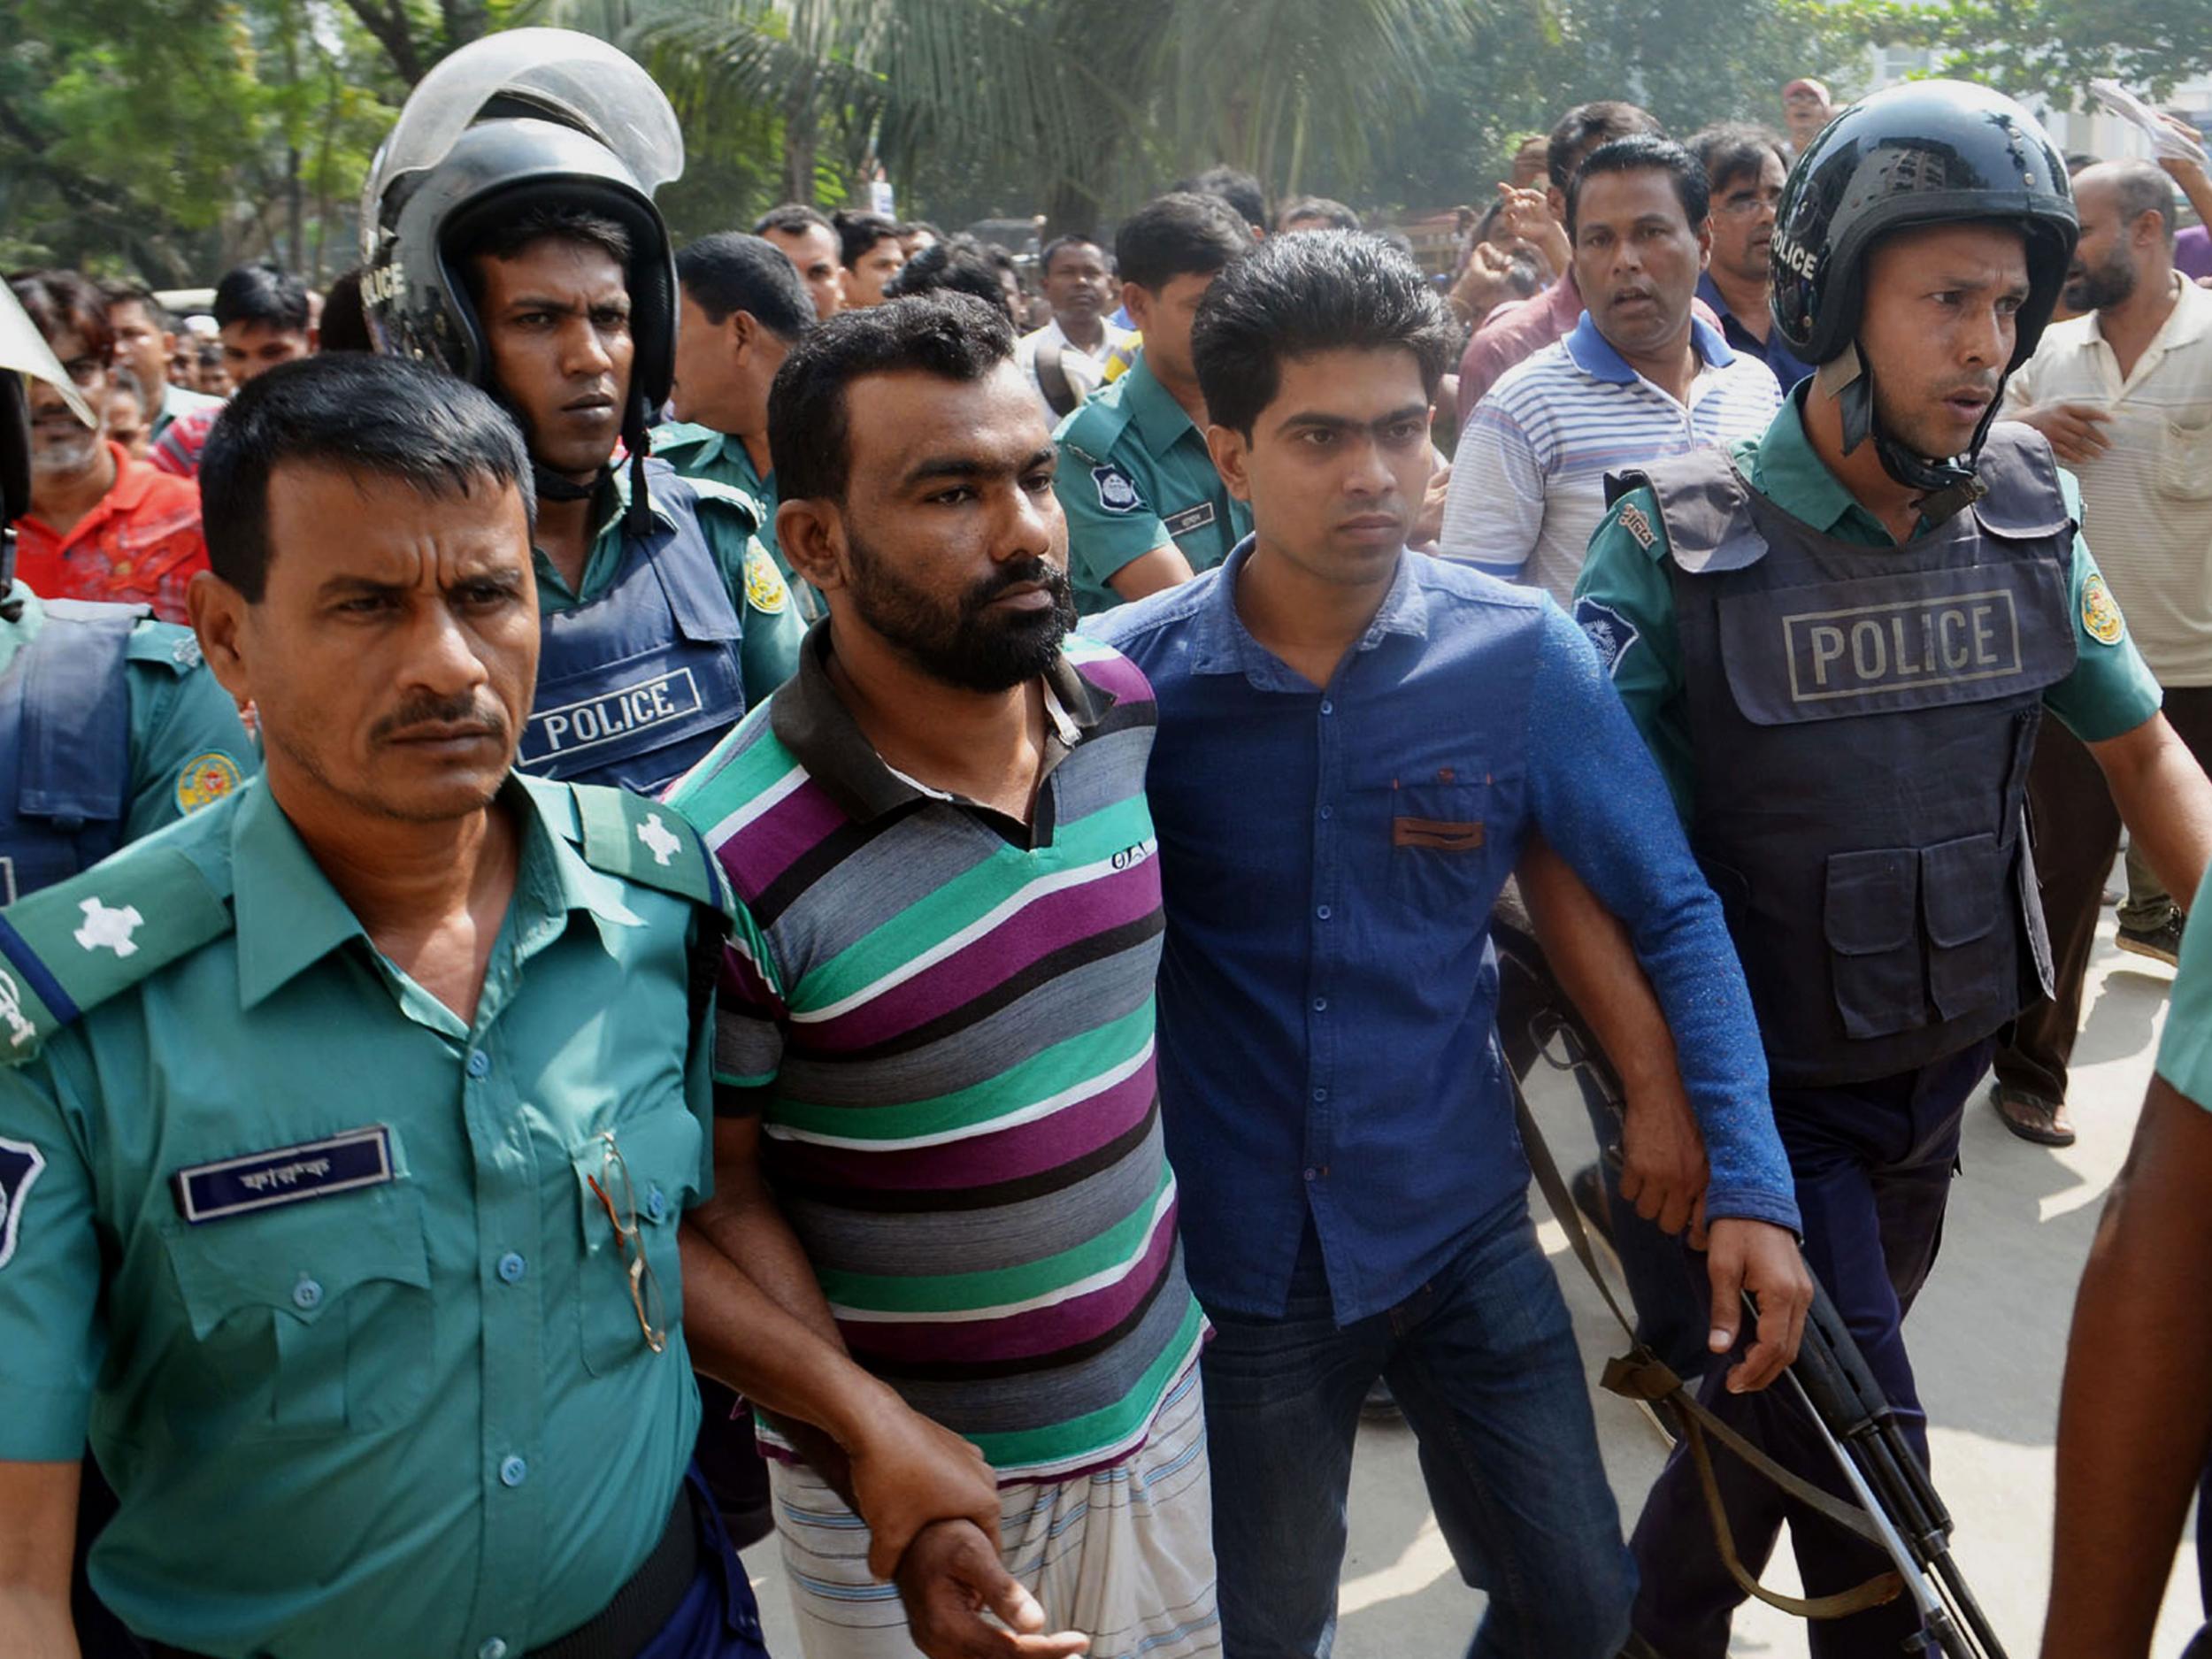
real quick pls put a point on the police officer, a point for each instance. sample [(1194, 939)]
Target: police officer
[(510, 234), (1145, 507), (347, 1130), (1839, 641)]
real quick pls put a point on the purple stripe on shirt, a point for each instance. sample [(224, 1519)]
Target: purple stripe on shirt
[(1119, 677), (1026, 936), (756, 857), (1076, 1130), (1038, 1332)]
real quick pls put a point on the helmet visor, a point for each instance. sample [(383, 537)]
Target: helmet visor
[(24, 350), (553, 74)]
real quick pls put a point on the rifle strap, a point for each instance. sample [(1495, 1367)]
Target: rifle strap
[(1641, 1375)]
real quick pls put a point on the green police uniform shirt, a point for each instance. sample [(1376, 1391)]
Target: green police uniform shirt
[(1625, 600), (2184, 1053), (320, 1265), (188, 748), (700, 452), (1134, 475), (772, 626)]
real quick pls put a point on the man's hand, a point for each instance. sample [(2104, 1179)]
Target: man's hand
[(907, 1472), (2072, 429), (1662, 1160), (1527, 215), (1763, 1259), (949, 1576)]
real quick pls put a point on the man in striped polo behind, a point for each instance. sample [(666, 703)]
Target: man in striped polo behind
[(936, 1023), (1642, 376)]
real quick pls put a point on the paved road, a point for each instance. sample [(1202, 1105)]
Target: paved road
[(1989, 1337)]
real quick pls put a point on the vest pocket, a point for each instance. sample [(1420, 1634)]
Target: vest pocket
[(1871, 917), (1962, 893)]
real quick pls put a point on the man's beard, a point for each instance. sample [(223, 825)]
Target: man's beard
[(2108, 285), (965, 644), (59, 456)]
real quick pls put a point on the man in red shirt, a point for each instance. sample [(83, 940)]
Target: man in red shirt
[(102, 526)]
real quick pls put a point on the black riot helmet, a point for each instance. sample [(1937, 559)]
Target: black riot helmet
[(1926, 152), (514, 123)]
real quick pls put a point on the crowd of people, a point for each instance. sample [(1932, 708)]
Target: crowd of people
[(844, 882)]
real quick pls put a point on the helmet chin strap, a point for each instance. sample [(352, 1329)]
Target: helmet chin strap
[(553, 485), (1945, 486)]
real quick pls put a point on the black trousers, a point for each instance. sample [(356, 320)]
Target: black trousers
[(2077, 834)]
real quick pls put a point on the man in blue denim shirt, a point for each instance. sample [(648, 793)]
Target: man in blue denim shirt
[(1356, 747)]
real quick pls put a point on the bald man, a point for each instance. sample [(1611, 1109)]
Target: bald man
[(2124, 394)]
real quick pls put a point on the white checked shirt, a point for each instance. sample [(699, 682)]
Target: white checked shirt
[(2146, 502)]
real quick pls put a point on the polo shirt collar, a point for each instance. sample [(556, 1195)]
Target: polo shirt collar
[(1221, 644), (1159, 419), (1594, 353), (288, 917), (1786, 470), (810, 719), (2190, 319)]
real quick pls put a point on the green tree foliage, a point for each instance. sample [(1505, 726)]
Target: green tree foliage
[(170, 138), (2048, 47)]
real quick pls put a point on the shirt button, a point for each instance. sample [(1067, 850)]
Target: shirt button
[(1323, 912), (1320, 1095), (1320, 1004), (1324, 815), (307, 1293), (479, 1063), (493, 1650), (511, 1268), (1313, 1174), (513, 1472), (656, 1204), (1327, 707)]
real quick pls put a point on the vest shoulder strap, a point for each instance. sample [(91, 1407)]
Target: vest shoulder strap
[(2025, 499), (1704, 506), (71, 947), (75, 737), (1052, 378)]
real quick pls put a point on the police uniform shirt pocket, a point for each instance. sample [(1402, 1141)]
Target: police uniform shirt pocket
[(310, 1320), (660, 1150), (1964, 894), (1872, 917), (2184, 461)]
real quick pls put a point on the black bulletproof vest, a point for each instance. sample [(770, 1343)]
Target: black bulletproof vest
[(1863, 719), (65, 745)]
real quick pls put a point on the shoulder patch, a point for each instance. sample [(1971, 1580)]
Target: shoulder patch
[(765, 589), (650, 843), (20, 1163), (2100, 618), (1612, 633), (164, 645), (204, 780), (71, 947), (1118, 492)]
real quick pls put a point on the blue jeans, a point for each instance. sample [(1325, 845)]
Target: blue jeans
[(1483, 1360)]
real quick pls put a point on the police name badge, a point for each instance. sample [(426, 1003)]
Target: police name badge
[(20, 1163), (284, 1175), (2100, 618), (1180, 524), (1637, 522), (1116, 490)]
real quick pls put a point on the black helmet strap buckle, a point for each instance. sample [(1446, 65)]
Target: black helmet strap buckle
[(1945, 486)]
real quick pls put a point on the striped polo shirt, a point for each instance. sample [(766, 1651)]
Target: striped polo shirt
[(944, 1020), (1528, 485)]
